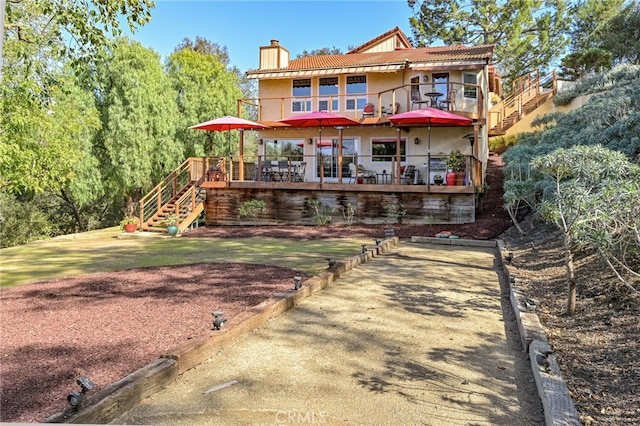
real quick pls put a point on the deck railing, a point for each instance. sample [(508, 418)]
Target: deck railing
[(321, 168), (457, 97)]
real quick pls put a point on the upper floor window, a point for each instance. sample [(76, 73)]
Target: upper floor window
[(328, 87), (470, 87), (356, 92), (301, 95)]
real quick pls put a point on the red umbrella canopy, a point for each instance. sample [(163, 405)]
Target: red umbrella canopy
[(319, 119), (429, 116), (229, 122)]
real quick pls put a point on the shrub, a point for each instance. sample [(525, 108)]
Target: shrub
[(395, 212), (347, 213), (320, 212), (252, 209)]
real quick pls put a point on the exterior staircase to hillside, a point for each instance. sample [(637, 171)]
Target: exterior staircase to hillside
[(179, 193), (529, 92)]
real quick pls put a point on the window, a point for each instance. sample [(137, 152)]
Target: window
[(470, 91), (440, 84), (301, 89), (356, 92), (328, 86), (384, 149)]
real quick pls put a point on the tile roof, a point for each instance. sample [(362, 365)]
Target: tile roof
[(400, 56)]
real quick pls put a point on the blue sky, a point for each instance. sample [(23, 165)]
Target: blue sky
[(243, 26)]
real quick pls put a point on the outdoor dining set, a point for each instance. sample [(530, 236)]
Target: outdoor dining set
[(282, 171)]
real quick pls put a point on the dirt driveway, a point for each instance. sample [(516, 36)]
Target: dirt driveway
[(420, 335)]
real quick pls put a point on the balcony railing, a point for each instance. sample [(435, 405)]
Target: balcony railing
[(457, 97)]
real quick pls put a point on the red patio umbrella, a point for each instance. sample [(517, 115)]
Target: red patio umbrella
[(229, 123), (319, 119), (430, 117)]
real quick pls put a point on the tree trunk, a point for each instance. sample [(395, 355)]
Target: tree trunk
[(571, 276)]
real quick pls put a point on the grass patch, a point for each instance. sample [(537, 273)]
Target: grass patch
[(102, 251)]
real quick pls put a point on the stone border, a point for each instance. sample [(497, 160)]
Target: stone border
[(559, 408), (121, 396)]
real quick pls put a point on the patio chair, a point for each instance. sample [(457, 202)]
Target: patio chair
[(416, 99), (408, 175), (368, 110), (299, 173), (359, 172), (449, 103), (283, 170)]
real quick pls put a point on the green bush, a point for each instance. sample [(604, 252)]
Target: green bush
[(320, 212), (395, 212), (252, 209), (347, 213), (22, 222)]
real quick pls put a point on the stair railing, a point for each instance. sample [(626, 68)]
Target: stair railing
[(188, 207), (526, 88), (191, 170)]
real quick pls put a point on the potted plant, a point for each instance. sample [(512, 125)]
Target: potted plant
[(456, 165), (129, 224), (171, 220)]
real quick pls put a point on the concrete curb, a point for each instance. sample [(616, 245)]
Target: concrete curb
[(121, 396)]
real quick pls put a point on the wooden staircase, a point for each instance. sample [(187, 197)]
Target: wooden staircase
[(180, 193), (529, 93)]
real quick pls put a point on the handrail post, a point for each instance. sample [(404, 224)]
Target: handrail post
[(141, 204)]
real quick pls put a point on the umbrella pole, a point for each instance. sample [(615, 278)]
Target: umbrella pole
[(321, 157), (398, 164), (429, 155)]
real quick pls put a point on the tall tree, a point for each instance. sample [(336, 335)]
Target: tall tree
[(528, 34), (206, 90), (322, 51), (137, 105), (622, 34), (75, 29), (588, 27)]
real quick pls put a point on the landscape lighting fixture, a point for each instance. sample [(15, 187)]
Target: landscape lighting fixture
[(509, 258), (218, 320), (297, 283), (86, 385), (377, 241), (364, 248), (331, 262)]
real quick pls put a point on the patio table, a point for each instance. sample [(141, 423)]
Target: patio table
[(434, 98)]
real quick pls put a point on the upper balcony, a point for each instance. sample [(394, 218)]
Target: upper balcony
[(460, 98)]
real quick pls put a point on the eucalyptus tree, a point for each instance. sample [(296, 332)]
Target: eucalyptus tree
[(528, 35), (136, 146), (206, 89)]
